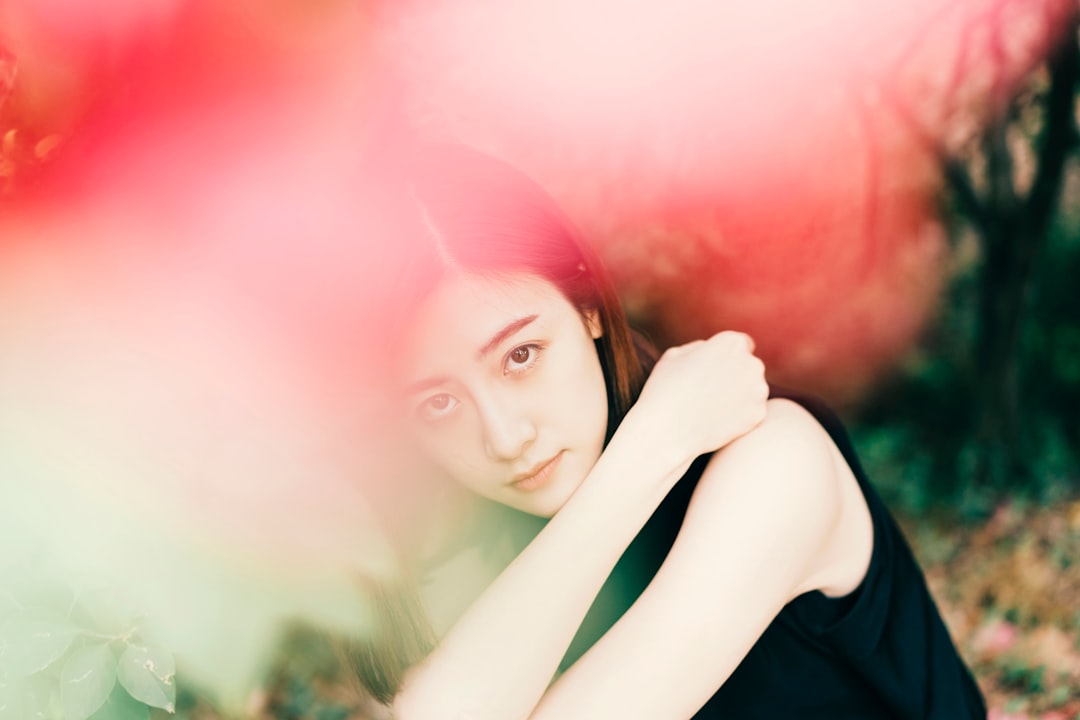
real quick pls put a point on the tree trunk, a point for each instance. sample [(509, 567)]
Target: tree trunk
[(1012, 242)]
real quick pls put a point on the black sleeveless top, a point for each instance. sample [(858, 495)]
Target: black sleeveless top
[(880, 652)]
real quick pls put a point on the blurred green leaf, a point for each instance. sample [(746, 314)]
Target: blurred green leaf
[(106, 611), (121, 706), (332, 712), (29, 644), (29, 699), (10, 700), (9, 605), (147, 673), (86, 681)]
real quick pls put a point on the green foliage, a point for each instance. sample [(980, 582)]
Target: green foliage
[(26, 699), (29, 644), (918, 437), (87, 680), (121, 706), (1024, 678), (71, 655), (310, 682), (147, 673), (990, 401)]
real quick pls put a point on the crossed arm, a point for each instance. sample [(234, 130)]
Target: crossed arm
[(776, 513)]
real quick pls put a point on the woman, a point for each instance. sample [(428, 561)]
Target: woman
[(707, 552)]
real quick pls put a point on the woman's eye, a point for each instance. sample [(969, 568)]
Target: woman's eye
[(437, 406), (522, 358)]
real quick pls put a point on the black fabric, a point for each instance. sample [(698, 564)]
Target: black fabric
[(880, 652)]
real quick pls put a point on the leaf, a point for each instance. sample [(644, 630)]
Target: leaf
[(121, 706), (29, 645), (10, 700), (86, 680), (106, 612), (148, 673), (8, 604), (27, 699)]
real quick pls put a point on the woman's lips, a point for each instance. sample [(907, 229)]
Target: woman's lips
[(538, 477)]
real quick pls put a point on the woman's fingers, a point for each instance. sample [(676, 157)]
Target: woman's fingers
[(725, 337), (735, 337)]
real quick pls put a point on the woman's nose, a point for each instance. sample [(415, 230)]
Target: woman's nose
[(508, 431)]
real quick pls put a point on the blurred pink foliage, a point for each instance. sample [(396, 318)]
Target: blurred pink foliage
[(994, 638), (195, 240), (768, 167)]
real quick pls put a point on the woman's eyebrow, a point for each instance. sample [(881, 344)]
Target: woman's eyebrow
[(506, 332), (421, 385), (427, 383)]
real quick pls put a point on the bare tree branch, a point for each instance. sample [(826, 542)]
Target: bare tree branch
[(1059, 133)]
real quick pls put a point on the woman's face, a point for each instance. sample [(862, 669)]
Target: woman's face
[(505, 389)]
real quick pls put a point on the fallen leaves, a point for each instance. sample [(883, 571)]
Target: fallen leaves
[(1009, 590)]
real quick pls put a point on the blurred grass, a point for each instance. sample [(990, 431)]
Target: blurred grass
[(1009, 590)]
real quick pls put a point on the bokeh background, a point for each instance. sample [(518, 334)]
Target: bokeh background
[(886, 196)]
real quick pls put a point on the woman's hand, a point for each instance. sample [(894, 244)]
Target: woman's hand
[(701, 396)]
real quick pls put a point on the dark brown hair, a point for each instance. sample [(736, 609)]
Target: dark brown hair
[(463, 211)]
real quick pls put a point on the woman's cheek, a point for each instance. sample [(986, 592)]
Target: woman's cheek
[(444, 450)]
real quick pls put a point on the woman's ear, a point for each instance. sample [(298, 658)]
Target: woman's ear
[(592, 322)]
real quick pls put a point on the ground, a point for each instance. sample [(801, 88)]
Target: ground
[(1009, 590)]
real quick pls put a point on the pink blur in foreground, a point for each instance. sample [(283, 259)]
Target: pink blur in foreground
[(765, 167), (189, 277)]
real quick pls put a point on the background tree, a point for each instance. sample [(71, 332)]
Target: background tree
[(990, 403)]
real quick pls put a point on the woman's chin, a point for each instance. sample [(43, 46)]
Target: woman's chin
[(545, 501)]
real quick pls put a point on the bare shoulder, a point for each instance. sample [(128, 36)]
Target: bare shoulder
[(784, 489), (789, 446), (784, 467)]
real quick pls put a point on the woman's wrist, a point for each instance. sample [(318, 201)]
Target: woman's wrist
[(660, 452), (639, 465)]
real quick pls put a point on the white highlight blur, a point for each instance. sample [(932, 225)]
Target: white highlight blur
[(185, 420), (158, 441)]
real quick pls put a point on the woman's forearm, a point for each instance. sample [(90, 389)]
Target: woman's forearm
[(498, 659)]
